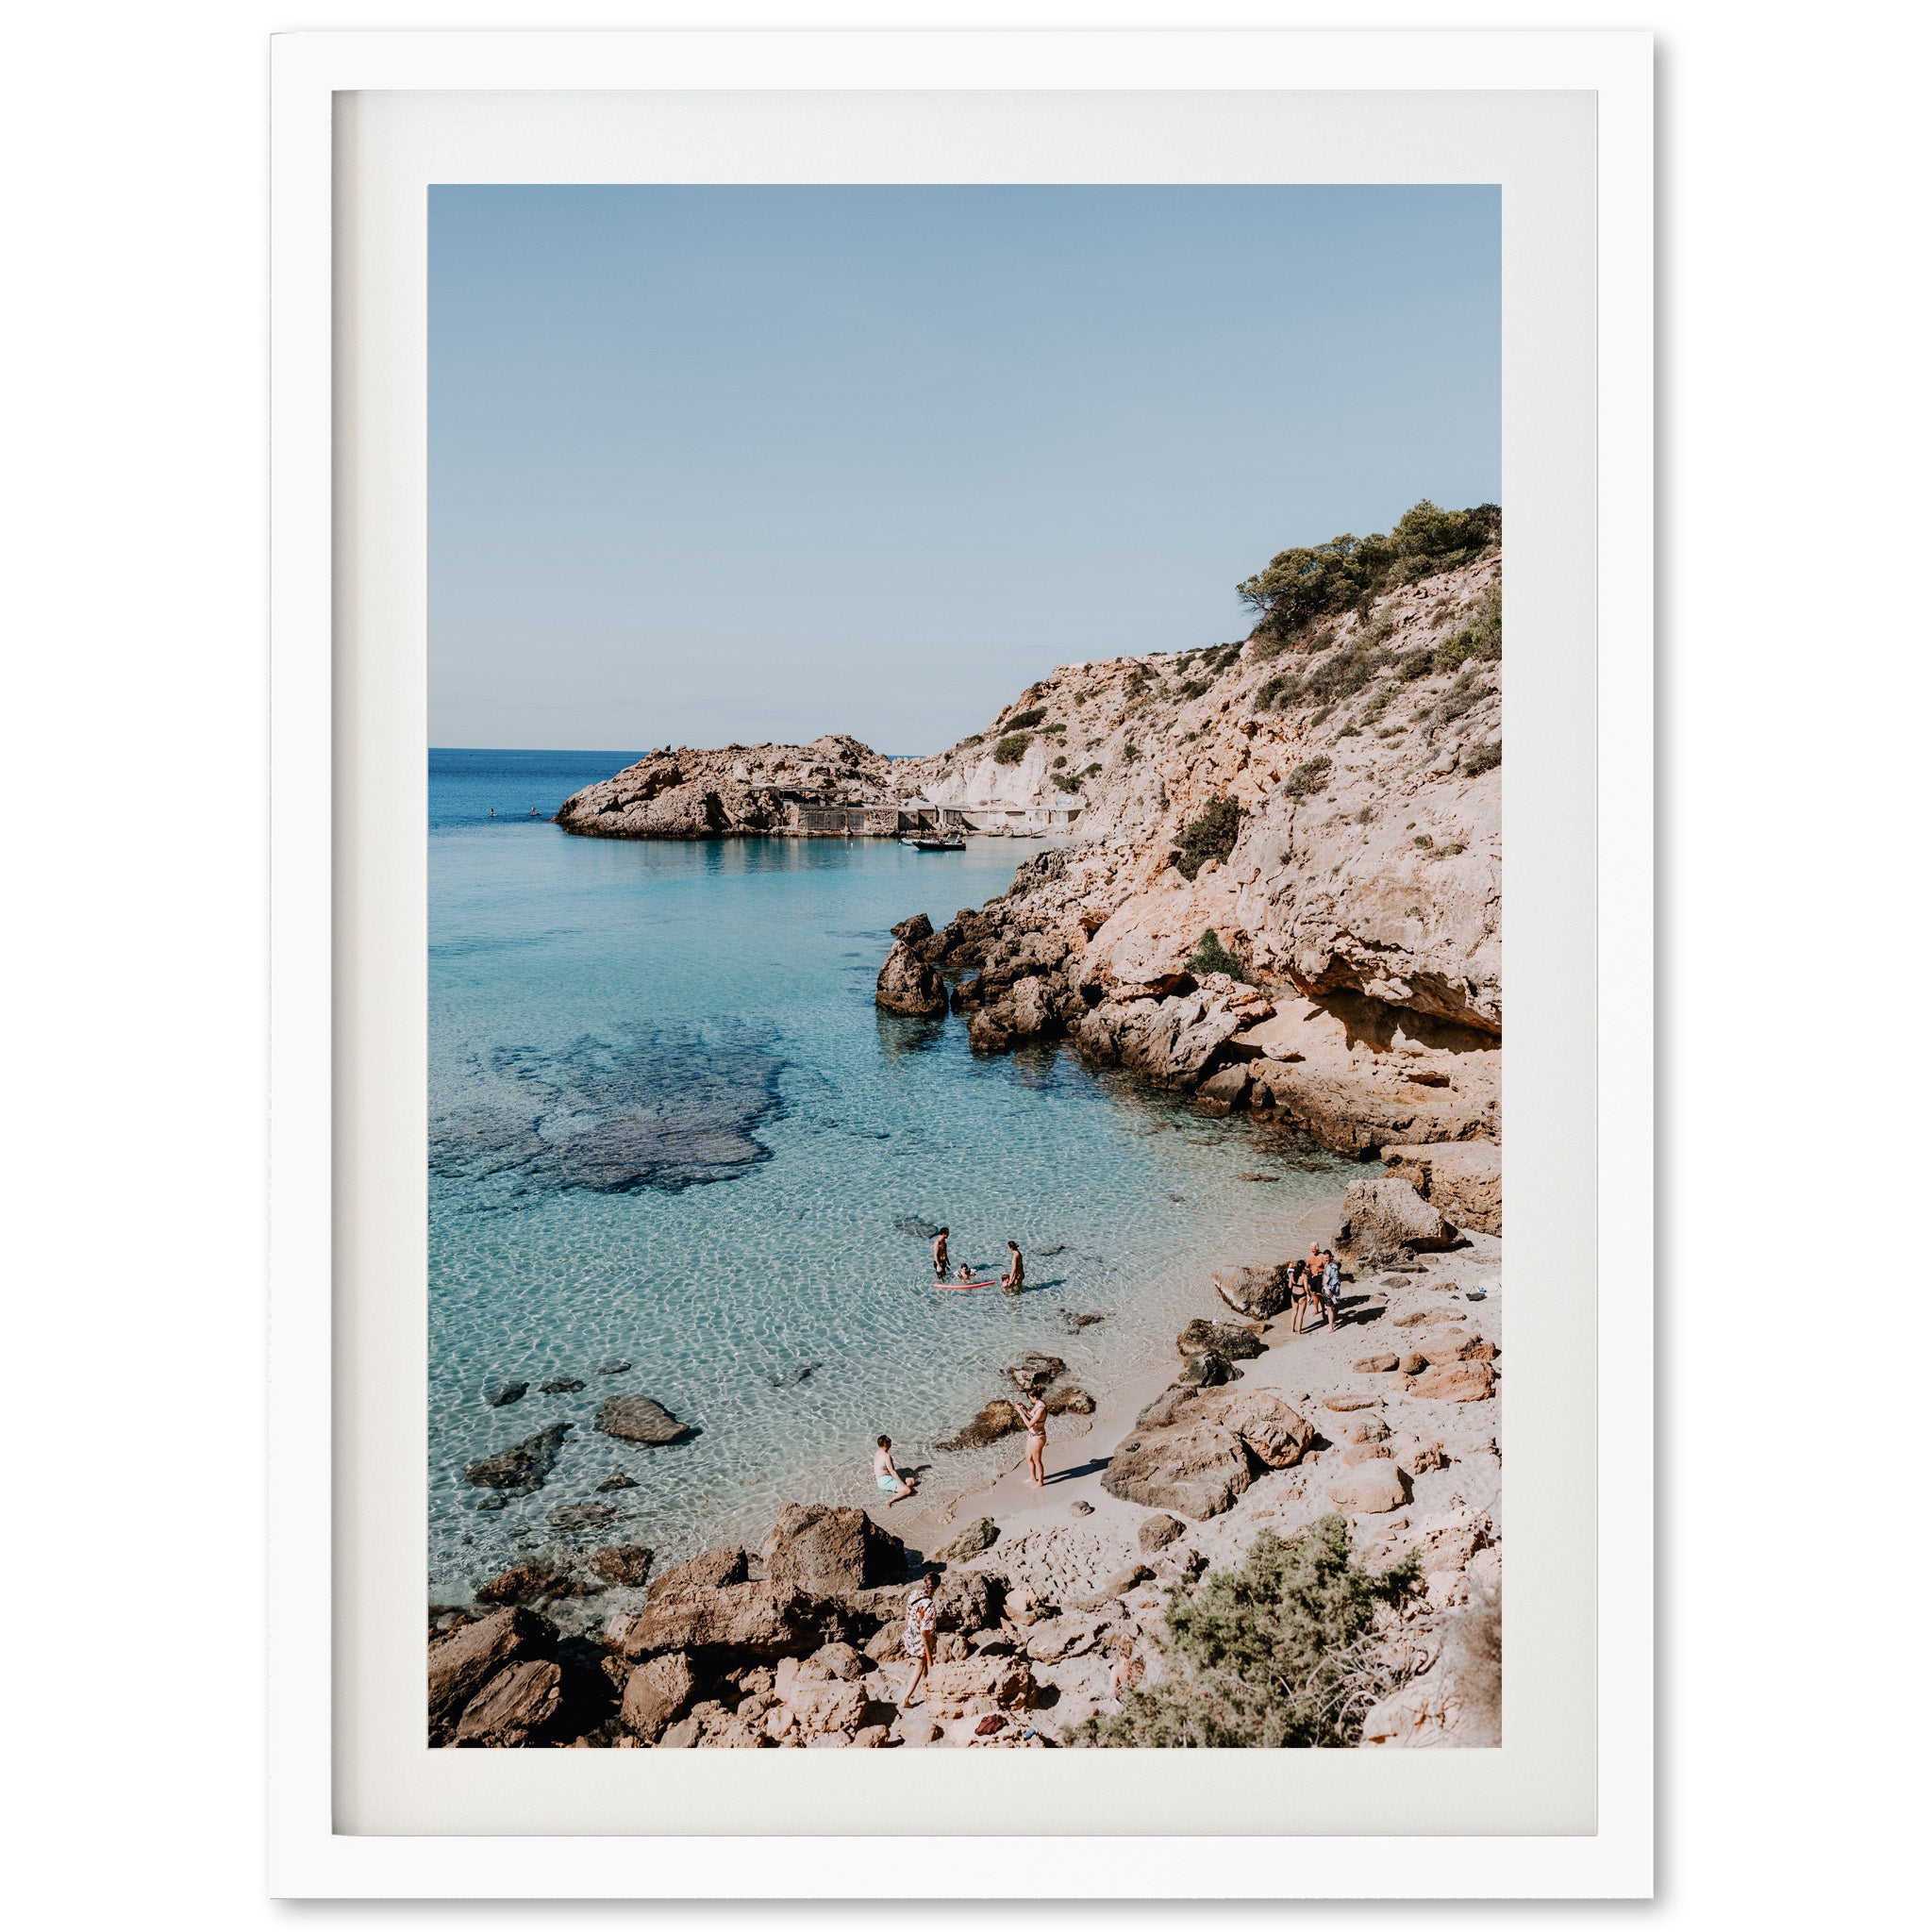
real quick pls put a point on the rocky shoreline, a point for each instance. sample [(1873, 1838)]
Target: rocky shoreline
[(1388, 1421), (1282, 897)]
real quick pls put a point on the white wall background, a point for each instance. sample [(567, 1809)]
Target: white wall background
[(133, 341)]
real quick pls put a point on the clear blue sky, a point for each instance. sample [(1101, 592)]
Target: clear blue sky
[(741, 463)]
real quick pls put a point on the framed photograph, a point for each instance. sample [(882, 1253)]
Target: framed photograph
[(894, 875)]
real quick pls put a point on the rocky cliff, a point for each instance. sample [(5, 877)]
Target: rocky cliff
[(743, 791), (1282, 884)]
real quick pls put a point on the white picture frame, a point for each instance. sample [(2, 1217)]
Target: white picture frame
[(317, 584)]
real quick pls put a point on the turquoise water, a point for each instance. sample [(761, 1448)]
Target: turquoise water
[(668, 1125)]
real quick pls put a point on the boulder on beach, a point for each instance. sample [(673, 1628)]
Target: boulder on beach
[(1157, 1532), (1198, 1469), (655, 1693), (1220, 1338), (1456, 1382), (1259, 1293), (1386, 1217), (978, 1534), (907, 985), (524, 1465), (1461, 1179), (513, 1705), (756, 1620), (710, 1569), (464, 1662), (1371, 1488), (637, 1419), (830, 1550), (1208, 1369)]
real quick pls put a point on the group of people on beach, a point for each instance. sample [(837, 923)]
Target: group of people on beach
[(1314, 1288), (1013, 1280)]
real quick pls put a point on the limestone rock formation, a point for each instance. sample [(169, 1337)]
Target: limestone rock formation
[(907, 985), (1384, 1218), (829, 1550), (1463, 1179)]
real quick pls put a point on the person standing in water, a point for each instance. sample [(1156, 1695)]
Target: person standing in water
[(893, 1486), (1014, 1279), (940, 1257)]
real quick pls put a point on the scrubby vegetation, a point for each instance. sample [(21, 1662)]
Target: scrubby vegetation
[(1210, 956), (1012, 748), (1210, 836), (1480, 638), (1279, 1654), (1021, 720), (1300, 586), (1308, 777), (1485, 757)]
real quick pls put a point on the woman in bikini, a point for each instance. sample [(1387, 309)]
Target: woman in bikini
[(1032, 1411), (1014, 1279)]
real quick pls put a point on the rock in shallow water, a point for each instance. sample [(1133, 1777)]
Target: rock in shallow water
[(581, 1515), (637, 1419), (501, 1394), (560, 1385), (524, 1465), (628, 1564)]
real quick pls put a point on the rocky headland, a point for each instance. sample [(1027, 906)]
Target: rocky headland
[(1279, 893)]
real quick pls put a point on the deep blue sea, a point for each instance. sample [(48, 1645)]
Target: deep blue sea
[(669, 1126)]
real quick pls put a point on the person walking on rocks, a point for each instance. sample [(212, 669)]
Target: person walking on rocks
[(922, 1621), (893, 1486), (1032, 1412), (1014, 1279), (941, 1260)]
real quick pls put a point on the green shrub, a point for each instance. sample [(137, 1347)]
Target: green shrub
[(1485, 757), (1276, 691), (1019, 720), (1300, 586), (1416, 664), (1481, 638), (1376, 704), (1210, 836), (1308, 777), (1061, 782), (1131, 753), (1059, 763), (1012, 748), (1277, 1653), (1210, 956), (1194, 687), (1090, 770)]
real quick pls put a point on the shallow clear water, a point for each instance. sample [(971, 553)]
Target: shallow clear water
[(668, 1125)]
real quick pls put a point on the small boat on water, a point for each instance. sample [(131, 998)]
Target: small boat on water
[(936, 841)]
